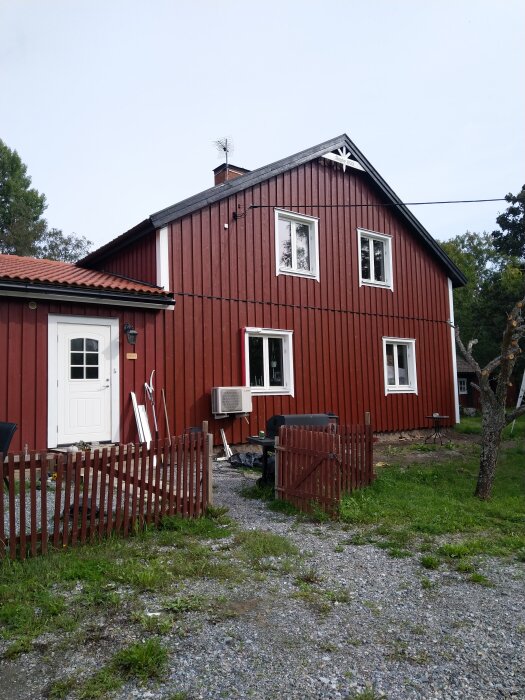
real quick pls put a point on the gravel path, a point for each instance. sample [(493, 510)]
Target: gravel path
[(454, 639)]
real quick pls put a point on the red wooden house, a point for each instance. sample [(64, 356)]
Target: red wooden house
[(307, 280)]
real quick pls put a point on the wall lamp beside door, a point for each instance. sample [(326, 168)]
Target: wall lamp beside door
[(131, 333)]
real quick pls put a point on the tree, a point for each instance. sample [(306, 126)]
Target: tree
[(54, 245), (494, 377), (21, 207), (494, 282), (510, 239), (493, 390), (23, 230)]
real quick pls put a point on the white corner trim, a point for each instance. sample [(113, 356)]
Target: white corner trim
[(163, 259), (453, 348), (52, 371)]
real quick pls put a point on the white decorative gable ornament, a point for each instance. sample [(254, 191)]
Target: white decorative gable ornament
[(344, 157)]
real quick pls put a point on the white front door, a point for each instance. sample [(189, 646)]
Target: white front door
[(85, 365)]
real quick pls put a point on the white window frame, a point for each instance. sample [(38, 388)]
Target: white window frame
[(397, 388), (462, 385), (386, 239), (287, 389), (313, 223)]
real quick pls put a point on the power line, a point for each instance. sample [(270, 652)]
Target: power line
[(367, 205), (386, 204)]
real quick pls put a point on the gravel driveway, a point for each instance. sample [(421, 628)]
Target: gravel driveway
[(383, 629)]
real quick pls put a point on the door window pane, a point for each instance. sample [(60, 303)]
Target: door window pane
[(83, 364)]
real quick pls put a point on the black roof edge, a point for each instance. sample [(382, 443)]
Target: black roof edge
[(118, 243), (80, 292), (231, 187), (225, 189)]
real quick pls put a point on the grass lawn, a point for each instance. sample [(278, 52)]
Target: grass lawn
[(429, 503)]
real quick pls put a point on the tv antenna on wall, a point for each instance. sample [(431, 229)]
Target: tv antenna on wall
[(224, 146)]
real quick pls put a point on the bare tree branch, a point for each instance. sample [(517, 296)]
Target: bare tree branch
[(515, 414), (467, 352)]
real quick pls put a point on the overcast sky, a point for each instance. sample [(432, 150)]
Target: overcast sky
[(114, 105)]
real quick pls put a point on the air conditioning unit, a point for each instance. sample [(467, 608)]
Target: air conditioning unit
[(231, 399)]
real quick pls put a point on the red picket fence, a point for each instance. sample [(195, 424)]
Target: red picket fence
[(318, 465), (92, 495)]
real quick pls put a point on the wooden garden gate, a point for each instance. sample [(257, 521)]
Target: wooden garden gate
[(317, 465)]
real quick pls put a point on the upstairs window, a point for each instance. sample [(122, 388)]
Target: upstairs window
[(269, 364), (296, 244), (399, 357), (375, 259)]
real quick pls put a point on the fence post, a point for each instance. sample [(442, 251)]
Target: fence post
[(209, 466), (205, 427), (368, 449), (276, 475)]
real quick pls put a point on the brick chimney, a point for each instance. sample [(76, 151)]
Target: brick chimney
[(227, 172)]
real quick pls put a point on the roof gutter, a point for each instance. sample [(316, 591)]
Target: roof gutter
[(28, 290)]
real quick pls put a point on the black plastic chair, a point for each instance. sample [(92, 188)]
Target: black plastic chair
[(7, 430)]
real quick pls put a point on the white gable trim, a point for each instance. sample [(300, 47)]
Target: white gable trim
[(344, 157)]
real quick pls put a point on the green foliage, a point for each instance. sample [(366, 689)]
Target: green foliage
[(429, 561), (480, 579), (143, 660), (21, 206), (55, 245), (60, 689), (267, 494), (510, 239), (368, 693), (23, 230), (99, 685), (258, 545), (494, 284)]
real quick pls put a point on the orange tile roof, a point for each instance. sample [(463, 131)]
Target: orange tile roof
[(51, 272)]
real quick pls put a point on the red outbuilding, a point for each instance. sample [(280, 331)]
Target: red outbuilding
[(306, 280)]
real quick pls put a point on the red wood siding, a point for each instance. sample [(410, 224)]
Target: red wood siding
[(23, 377), (138, 261), (224, 280)]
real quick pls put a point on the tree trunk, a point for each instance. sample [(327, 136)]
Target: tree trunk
[(493, 424)]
